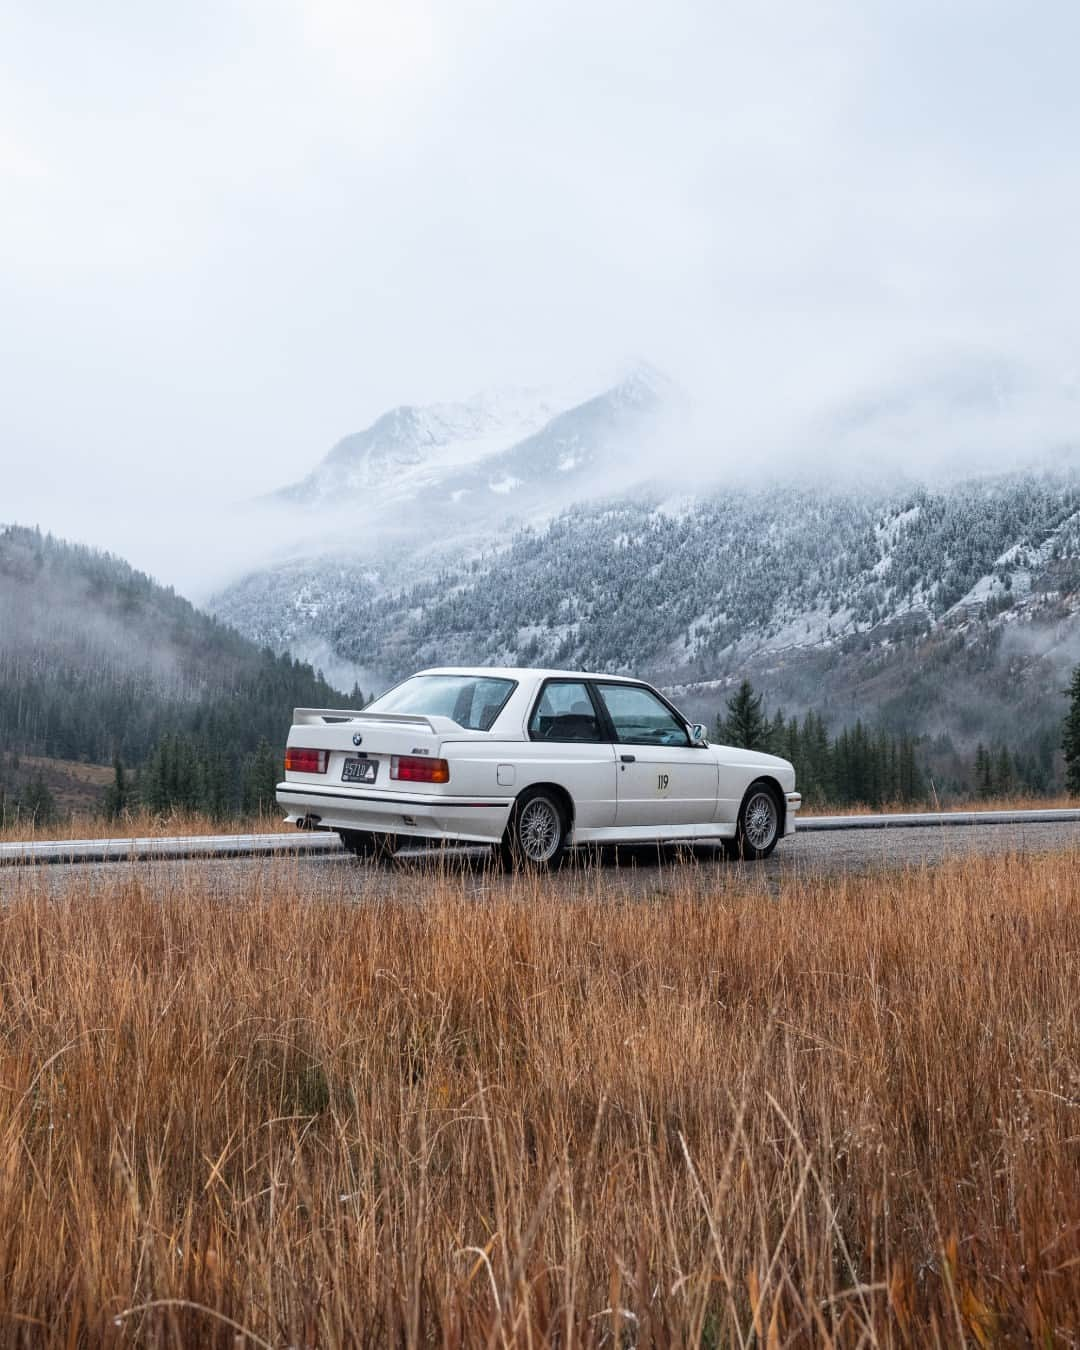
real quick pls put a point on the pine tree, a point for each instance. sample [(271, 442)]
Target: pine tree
[(38, 802), (820, 759), (745, 726), (912, 784), (891, 774), (176, 776), (776, 735), (1002, 777), (881, 788), (152, 781), (790, 745), (214, 797), (984, 783), (118, 793), (260, 781), (1071, 740)]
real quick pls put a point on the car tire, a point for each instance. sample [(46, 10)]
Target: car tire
[(536, 833), (368, 844), (759, 826)]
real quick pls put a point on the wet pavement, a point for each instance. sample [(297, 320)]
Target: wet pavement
[(645, 870)]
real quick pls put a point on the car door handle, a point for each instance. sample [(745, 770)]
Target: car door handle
[(628, 759)]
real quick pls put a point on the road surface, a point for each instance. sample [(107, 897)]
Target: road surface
[(332, 873)]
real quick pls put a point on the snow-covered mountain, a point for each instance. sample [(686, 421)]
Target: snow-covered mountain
[(513, 451), (412, 448), (507, 529), (935, 607)]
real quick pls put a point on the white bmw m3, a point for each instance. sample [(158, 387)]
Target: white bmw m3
[(532, 761)]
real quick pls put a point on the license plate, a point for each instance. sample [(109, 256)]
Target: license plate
[(359, 770)]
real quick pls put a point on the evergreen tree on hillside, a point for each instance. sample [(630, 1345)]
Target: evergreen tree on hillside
[(1071, 740), (118, 794), (37, 802), (745, 726), (1002, 776), (984, 776), (174, 777), (814, 762), (218, 782), (105, 662), (858, 766), (911, 786), (776, 737), (261, 774)]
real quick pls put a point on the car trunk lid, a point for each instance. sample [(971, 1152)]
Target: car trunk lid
[(356, 739)]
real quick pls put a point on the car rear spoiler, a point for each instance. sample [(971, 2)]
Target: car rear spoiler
[(309, 717)]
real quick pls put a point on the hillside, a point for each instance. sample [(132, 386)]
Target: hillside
[(929, 608), (96, 659)]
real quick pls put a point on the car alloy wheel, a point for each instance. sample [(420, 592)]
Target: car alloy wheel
[(539, 829), (760, 821), (759, 825), (537, 832)]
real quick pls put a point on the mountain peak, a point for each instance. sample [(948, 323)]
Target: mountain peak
[(643, 385), (499, 437), (411, 444)]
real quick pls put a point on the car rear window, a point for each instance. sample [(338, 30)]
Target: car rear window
[(472, 701)]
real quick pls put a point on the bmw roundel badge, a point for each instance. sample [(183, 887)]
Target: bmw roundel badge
[(357, 738)]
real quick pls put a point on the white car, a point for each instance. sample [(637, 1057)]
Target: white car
[(534, 761)]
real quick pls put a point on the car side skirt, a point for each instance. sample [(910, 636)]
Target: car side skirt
[(653, 834)]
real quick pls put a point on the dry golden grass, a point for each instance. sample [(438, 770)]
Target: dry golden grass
[(847, 1114), (140, 824), (1015, 802)]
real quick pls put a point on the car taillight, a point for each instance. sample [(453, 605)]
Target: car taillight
[(306, 761), (414, 769)]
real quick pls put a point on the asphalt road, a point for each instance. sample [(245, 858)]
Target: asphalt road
[(639, 870)]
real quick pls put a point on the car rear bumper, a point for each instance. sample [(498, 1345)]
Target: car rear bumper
[(410, 814)]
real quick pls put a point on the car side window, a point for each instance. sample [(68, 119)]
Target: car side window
[(565, 712), (640, 718)]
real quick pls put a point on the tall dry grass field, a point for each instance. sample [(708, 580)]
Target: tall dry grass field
[(847, 1114)]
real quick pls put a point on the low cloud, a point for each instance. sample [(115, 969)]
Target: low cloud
[(233, 234)]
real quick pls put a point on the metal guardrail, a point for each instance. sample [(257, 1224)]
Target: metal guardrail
[(151, 849), (921, 819), (303, 843)]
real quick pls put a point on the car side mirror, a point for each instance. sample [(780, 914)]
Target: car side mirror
[(698, 738)]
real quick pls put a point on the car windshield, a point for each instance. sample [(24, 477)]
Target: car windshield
[(472, 701)]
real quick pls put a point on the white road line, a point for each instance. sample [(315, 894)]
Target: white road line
[(306, 842)]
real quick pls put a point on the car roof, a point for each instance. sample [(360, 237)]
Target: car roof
[(525, 673)]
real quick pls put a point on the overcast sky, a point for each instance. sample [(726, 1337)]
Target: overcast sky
[(232, 232)]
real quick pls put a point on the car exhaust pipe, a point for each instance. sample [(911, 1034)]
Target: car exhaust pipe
[(308, 822)]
